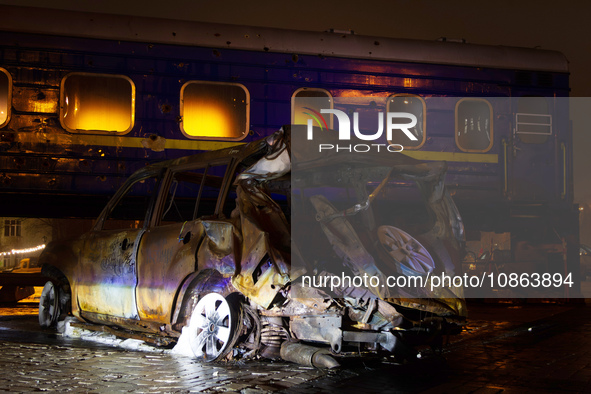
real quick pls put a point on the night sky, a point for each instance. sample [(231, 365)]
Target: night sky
[(546, 24)]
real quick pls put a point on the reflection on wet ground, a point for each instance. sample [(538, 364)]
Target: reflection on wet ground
[(515, 347)]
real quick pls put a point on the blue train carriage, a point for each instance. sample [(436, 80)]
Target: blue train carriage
[(86, 99)]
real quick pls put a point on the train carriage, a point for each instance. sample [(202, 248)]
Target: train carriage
[(87, 99)]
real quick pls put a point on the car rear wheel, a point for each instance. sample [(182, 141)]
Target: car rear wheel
[(412, 257), (49, 305), (212, 327)]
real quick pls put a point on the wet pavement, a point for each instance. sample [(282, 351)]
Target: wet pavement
[(506, 348)]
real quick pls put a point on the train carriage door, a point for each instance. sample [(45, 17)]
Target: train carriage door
[(532, 155)]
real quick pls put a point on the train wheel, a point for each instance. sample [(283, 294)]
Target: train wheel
[(49, 305), (212, 327)]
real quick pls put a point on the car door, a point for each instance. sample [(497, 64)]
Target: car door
[(107, 272), (168, 249)]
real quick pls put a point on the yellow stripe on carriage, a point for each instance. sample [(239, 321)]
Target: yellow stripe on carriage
[(453, 156), (206, 145), (120, 141)]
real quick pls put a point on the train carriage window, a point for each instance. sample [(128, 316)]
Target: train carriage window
[(533, 121), (215, 110), (416, 106), (97, 102), (308, 105), (5, 97), (474, 125)]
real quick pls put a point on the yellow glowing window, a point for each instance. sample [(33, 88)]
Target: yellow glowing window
[(97, 102), (5, 96), (214, 110), (416, 106), (308, 103)]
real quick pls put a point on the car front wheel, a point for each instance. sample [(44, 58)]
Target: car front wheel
[(212, 327)]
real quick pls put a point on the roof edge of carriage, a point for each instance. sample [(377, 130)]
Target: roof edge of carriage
[(329, 44)]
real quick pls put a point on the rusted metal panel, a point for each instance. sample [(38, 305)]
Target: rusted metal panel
[(39, 100), (217, 250), (107, 273), (165, 259), (266, 243), (322, 328)]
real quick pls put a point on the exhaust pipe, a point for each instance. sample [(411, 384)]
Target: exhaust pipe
[(307, 355)]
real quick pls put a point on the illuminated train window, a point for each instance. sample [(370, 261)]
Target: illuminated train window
[(474, 127), (5, 96), (215, 110), (97, 102), (533, 121), (416, 106), (308, 105)]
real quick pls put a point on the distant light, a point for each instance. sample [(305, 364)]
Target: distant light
[(581, 208), (22, 251)]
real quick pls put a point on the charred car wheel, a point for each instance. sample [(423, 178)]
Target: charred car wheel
[(213, 327), (412, 257), (49, 305)]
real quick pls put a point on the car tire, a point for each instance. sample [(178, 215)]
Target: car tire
[(411, 256), (213, 327), (49, 305)]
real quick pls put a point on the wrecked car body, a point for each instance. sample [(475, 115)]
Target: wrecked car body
[(200, 250)]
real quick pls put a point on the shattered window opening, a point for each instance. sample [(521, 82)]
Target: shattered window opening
[(173, 187), (193, 194), (201, 187), (5, 97), (214, 110), (132, 208), (474, 125), (97, 103)]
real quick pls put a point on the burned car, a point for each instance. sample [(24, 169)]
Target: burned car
[(200, 251)]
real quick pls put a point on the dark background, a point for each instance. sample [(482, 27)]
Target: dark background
[(562, 26)]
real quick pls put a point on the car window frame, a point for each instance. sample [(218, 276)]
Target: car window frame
[(122, 191), (159, 207)]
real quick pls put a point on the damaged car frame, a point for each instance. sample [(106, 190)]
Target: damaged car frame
[(200, 251)]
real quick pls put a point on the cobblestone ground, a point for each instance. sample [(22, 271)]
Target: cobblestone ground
[(35, 367), (504, 349)]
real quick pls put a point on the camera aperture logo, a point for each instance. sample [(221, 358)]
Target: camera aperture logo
[(391, 119)]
